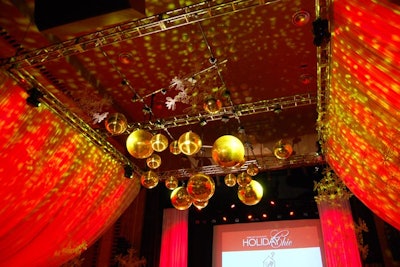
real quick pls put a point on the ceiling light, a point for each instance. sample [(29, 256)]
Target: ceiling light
[(301, 18)]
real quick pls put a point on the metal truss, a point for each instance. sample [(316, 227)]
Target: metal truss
[(322, 10), (131, 30), (93, 136), (237, 111), (264, 164)]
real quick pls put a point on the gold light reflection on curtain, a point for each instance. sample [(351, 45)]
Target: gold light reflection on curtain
[(59, 192), (361, 127)]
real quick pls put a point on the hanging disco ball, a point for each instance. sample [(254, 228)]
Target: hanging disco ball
[(138, 144), (228, 151), (200, 204), (174, 147), (212, 105), (154, 161), (149, 179), (189, 143), (251, 194), (180, 198), (243, 179), (171, 182), (116, 123), (230, 180), (252, 169), (159, 142), (283, 150), (201, 187)]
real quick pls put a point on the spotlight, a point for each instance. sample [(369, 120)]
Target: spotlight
[(164, 91), (33, 98), (203, 122), (225, 118), (227, 94), (321, 32), (146, 110), (277, 108), (128, 172), (212, 60)]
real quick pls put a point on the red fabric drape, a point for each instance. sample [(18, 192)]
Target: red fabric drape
[(174, 240), (340, 242), (59, 192), (362, 123)]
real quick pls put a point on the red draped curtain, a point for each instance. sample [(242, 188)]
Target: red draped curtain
[(361, 127), (174, 239), (59, 192), (338, 230)]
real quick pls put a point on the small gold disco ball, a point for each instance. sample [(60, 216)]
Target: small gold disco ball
[(159, 142), (180, 198), (149, 179), (189, 143), (116, 123), (243, 179), (283, 150), (230, 180), (252, 169), (171, 182), (154, 161), (212, 105), (174, 147)]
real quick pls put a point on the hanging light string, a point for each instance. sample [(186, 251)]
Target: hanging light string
[(213, 61), (125, 81)]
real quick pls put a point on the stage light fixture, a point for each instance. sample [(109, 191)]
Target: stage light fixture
[(128, 172), (321, 32), (34, 97)]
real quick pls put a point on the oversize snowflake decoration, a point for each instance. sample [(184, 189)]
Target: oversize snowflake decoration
[(183, 86), (99, 117)]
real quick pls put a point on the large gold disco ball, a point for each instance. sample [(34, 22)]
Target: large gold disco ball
[(201, 187), (243, 179), (149, 179), (138, 144), (230, 180), (116, 123), (159, 142), (171, 182), (228, 151), (154, 161), (212, 105), (250, 194), (174, 147), (189, 143), (180, 198), (200, 204), (283, 150)]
